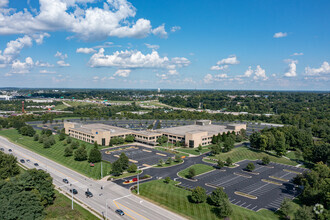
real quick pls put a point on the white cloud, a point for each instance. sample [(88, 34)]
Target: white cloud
[(14, 48), (162, 76), (111, 78), (292, 70), (221, 76), (248, 72), (62, 63), (224, 67), (208, 78), (260, 73), (22, 67), (4, 3), (232, 60), (175, 28), (39, 38), (173, 72), (280, 34), (47, 71), (154, 47), (89, 23), (85, 50), (60, 55), (43, 64), (324, 69), (160, 31), (297, 54), (122, 73)]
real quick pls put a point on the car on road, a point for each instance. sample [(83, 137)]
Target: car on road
[(36, 164), (120, 212), (88, 194), (65, 181), (74, 191), (10, 150), (27, 160), (2, 149), (22, 160)]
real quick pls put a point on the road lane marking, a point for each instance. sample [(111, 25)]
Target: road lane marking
[(132, 210), (122, 197)]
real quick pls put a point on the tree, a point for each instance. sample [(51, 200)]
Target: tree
[(167, 180), (250, 167), (280, 147), (129, 138), (169, 160), (304, 213), (80, 154), (116, 168), (191, 173), (263, 142), (160, 162), (68, 151), (265, 160), (123, 161), (219, 199), (132, 168), (229, 161), (214, 139), (321, 152), (286, 208), (69, 140), (161, 140), (228, 145), (200, 148), (94, 155), (36, 137), (47, 143), (254, 140), (74, 144), (61, 136), (216, 149), (220, 164), (177, 159), (48, 132), (198, 195), (8, 166)]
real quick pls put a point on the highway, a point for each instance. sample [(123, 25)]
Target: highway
[(104, 201)]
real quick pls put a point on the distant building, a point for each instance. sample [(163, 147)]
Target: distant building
[(6, 97), (158, 90), (192, 136)]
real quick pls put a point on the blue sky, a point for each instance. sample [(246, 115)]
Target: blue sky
[(214, 44)]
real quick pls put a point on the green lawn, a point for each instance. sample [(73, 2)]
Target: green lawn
[(194, 151), (61, 209), (199, 168), (171, 151), (56, 152), (167, 165), (126, 174), (241, 153), (176, 199)]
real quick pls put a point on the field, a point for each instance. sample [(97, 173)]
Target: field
[(61, 209), (176, 200), (241, 153), (199, 168), (56, 152)]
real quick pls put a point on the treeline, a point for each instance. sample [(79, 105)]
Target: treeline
[(23, 195)]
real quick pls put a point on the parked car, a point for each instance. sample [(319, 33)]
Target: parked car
[(65, 181), (36, 164), (88, 194), (120, 212), (10, 150), (27, 160), (22, 160), (74, 191), (2, 149)]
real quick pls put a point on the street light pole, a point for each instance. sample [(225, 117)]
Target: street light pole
[(71, 196), (101, 171), (138, 186)]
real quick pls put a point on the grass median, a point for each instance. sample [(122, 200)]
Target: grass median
[(176, 200), (199, 168), (56, 153)]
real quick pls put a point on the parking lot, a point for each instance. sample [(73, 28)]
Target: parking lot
[(264, 188), (141, 156)]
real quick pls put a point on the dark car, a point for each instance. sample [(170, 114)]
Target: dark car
[(36, 164), (10, 150), (22, 160), (88, 194), (65, 181), (2, 149), (74, 191), (27, 160), (120, 212)]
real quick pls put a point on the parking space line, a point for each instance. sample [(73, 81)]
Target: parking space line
[(247, 206), (242, 204), (254, 207), (237, 202)]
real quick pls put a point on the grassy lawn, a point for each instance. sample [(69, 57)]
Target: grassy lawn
[(241, 153), (61, 209), (176, 199), (199, 168), (167, 165), (171, 151), (126, 174), (194, 151), (56, 152)]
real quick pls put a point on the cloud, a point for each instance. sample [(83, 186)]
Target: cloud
[(297, 54), (248, 72), (175, 28), (13, 49), (43, 64), (22, 67), (47, 71), (136, 59), (62, 63), (162, 76), (160, 31), (4, 3), (260, 73), (115, 19), (111, 78), (173, 72), (224, 67), (154, 47), (208, 78), (39, 38), (122, 73), (232, 60), (280, 34), (85, 50), (324, 69), (292, 70)]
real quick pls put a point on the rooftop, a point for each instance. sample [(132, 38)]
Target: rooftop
[(182, 130), (87, 128)]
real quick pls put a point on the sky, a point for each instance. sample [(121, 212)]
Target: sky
[(172, 44)]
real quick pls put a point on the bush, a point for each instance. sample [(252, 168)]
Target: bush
[(198, 195), (169, 160), (220, 164), (265, 160), (250, 167), (229, 161), (132, 168), (191, 173), (80, 154), (36, 137), (177, 159), (167, 180), (68, 151)]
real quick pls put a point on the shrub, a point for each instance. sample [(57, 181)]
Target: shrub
[(191, 173), (68, 151), (132, 168), (250, 167), (265, 160), (167, 180), (198, 195)]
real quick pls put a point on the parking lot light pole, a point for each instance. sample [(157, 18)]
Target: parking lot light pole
[(101, 171), (71, 196)]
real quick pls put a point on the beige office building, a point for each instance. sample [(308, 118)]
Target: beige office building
[(200, 133)]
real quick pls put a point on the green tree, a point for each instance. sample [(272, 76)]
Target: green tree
[(129, 138), (80, 154), (228, 145), (169, 160), (74, 144), (286, 208), (250, 167), (198, 195), (200, 148), (263, 142), (191, 173), (229, 161), (123, 161), (94, 155), (47, 143), (8, 166), (68, 151), (61, 136), (177, 159), (69, 140), (36, 137), (214, 139), (220, 164), (265, 160), (160, 162), (219, 199), (280, 147), (116, 168), (304, 213), (216, 149), (132, 168), (167, 180)]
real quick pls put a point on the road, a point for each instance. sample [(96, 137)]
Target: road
[(104, 201)]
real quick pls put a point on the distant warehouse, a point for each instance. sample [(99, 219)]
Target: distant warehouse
[(191, 135)]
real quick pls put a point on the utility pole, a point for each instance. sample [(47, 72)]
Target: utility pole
[(71, 196)]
